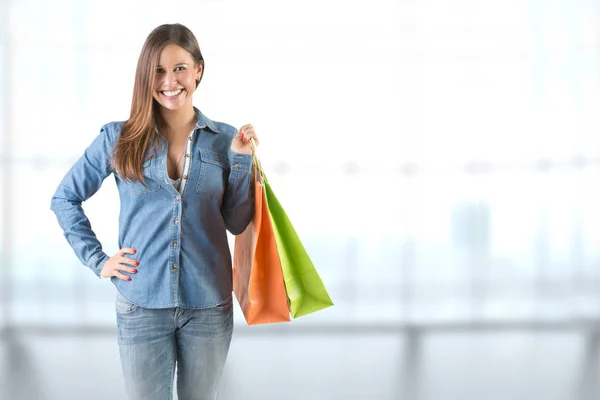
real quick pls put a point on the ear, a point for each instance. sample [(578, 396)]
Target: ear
[(199, 71)]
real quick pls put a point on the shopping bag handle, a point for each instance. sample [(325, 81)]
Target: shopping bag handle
[(256, 161)]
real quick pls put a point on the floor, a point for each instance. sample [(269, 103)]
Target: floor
[(368, 362)]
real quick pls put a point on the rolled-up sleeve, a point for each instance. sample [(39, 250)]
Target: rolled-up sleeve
[(238, 202)]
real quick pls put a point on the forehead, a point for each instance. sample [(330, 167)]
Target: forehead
[(174, 54)]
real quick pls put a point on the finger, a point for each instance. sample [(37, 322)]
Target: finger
[(249, 131), (246, 129), (127, 268), (243, 135), (248, 135), (127, 250), (121, 276), (130, 261)]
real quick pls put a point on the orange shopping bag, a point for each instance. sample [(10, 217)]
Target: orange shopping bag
[(257, 276)]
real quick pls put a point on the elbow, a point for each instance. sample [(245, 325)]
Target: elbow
[(55, 203), (238, 218), (62, 200), (237, 228), (236, 223)]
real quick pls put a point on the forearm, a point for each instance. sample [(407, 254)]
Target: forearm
[(77, 230)]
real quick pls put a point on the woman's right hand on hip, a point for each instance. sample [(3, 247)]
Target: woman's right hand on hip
[(117, 264)]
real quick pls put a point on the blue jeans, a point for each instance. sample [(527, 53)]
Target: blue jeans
[(153, 341)]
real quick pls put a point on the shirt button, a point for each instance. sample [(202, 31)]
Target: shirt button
[(236, 165), (176, 221), (187, 155), (174, 244), (174, 267), (177, 198), (185, 177)]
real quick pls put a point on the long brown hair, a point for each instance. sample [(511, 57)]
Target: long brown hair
[(138, 133)]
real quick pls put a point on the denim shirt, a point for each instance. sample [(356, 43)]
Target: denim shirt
[(180, 238)]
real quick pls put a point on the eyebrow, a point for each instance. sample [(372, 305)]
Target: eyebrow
[(175, 64)]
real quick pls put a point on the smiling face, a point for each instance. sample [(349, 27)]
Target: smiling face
[(176, 79)]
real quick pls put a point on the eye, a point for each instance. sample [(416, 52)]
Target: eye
[(180, 68), (159, 70)]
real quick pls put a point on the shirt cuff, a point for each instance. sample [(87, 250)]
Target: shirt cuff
[(240, 162), (96, 262)]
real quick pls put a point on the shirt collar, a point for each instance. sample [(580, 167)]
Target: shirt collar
[(204, 122)]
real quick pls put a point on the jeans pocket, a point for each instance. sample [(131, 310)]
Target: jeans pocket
[(124, 306)]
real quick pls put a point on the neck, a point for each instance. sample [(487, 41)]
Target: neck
[(179, 120)]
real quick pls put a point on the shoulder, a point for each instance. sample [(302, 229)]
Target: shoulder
[(226, 129), (220, 127), (112, 130)]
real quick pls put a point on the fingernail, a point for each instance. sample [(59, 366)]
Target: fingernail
[(137, 263), (134, 251), (134, 270), (128, 278)]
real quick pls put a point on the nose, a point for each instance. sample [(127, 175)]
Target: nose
[(169, 79)]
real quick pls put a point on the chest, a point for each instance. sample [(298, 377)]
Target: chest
[(176, 154), (206, 170)]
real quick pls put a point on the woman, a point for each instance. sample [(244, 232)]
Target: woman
[(183, 180)]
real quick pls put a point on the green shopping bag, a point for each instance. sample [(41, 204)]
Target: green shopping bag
[(305, 289)]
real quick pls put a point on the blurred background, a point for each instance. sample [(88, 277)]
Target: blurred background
[(439, 159)]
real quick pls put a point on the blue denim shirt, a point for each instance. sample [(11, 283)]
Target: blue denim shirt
[(180, 238)]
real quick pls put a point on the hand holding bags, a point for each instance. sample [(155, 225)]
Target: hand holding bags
[(272, 272)]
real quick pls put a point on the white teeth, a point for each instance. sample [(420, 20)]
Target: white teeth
[(171, 94)]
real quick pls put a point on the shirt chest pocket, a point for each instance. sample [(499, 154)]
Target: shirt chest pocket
[(152, 185), (214, 170)]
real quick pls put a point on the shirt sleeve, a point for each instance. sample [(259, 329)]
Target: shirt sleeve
[(80, 183), (238, 202)]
